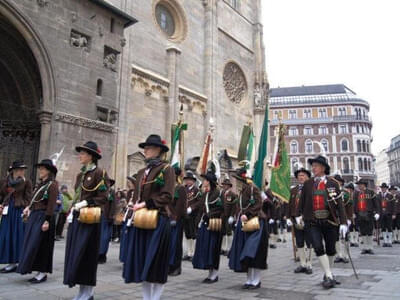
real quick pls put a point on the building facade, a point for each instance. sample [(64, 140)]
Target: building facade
[(89, 75), (382, 167), (331, 117), (393, 153)]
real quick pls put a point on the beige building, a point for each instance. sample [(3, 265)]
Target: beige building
[(329, 116), (382, 167)]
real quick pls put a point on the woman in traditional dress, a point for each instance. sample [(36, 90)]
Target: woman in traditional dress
[(38, 249), (126, 206), (147, 250), (83, 239), (15, 194), (209, 237), (249, 249)]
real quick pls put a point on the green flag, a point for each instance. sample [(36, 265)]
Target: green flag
[(262, 153), (280, 176), (176, 131), (244, 141)]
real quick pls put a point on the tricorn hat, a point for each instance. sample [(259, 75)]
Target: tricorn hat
[(155, 140), (18, 164), (384, 185), (362, 181), (48, 164), (302, 170), (190, 176), (321, 160), (91, 148), (227, 182)]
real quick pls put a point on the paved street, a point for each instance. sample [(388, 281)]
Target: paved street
[(379, 279)]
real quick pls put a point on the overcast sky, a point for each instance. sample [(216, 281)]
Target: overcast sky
[(355, 42)]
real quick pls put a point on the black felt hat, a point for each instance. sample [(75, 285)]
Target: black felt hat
[(155, 140), (339, 178), (240, 174), (91, 148), (362, 181), (350, 185), (48, 164), (392, 188), (322, 161), (18, 164), (210, 176), (302, 170), (190, 176), (384, 185), (227, 182)]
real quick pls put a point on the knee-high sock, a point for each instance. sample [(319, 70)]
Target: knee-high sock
[(390, 235), (324, 260), (371, 242), (157, 291), (331, 260), (272, 239), (337, 248), (10, 266), (364, 242), (249, 276), (87, 292), (146, 290), (256, 276), (302, 256), (190, 247), (230, 239), (212, 274), (343, 249), (40, 275), (80, 293), (309, 257), (224, 243)]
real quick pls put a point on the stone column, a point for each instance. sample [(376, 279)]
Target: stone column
[(45, 118), (173, 91)]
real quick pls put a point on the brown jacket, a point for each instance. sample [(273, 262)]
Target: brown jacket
[(194, 199), (230, 203), (251, 203), (46, 198), (390, 203), (215, 204), (372, 202), (22, 193), (397, 203), (306, 202), (148, 190), (295, 194), (178, 205), (94, 197)]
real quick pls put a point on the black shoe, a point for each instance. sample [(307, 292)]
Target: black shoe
[(297, 259), (328, 283), (176, 272), (102, 259), (5, 270), (308, 271), (389, 245), (39, 281), (32, 279), (186, 257), (338, 260), (300, 269), (355, 244), (384, 245), (370, 251), (272, 246), (209, 281), (245, 286), (352, 245), (254, 287), (284, 241), (91, 298), (345, 260), (364, 251), (279, 240)]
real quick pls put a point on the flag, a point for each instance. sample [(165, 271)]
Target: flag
[(262, 154), (280, 176), (244, 142), (176, 141), (202, 166)]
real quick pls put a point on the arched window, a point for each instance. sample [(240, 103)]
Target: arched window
[(358, 129), (345, 145), (358, 146), (369, 165), (364, 148), (346, 165), (368, 147), (99, 87), (309, 146), (324, 143), (294, 165), (294, 147), (360, 164), (365, 164)]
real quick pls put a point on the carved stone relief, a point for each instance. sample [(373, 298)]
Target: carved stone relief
[(234, 82)]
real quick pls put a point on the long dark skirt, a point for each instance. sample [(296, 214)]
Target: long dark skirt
[(176, 251), (122, 242), (208, 249), (249, 249), (148, 253), (37, 253), (190, 227), (105, 236), (11, 234), (81, 253)]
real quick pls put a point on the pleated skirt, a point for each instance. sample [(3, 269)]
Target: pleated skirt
[(105, 236), (81, 253), (176, 250), (208, 249), (147, 253), (249, 249), (11, 234), (38, 249), (122, 242)]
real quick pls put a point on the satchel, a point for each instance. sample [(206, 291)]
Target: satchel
[(145, 218), (251, 225), (215, 224), (90, 215)]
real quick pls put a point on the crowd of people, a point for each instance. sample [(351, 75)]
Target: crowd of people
[(166, 216)]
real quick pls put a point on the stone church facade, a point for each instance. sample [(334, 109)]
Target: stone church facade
[(116, 71)]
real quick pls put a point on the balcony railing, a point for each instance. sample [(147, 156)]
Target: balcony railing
[(300, 121)]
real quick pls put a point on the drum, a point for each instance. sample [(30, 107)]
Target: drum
[(145, 218), (90, 215), (251, 225), (215, 224)]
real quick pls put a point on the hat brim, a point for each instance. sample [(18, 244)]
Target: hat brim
[(131, 179), (327, 167), (89, 150), (362, 182), (227, 183), (205, 176), (112, 182), (302, 171), (189, 178), (163, 147), (19, 167), (50, 168), (384, 186), (239, 177)]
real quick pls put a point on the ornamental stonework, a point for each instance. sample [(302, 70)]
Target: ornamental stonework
[(234, 82)]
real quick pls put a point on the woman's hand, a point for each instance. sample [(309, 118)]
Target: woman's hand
[(45, 226), (26, 211), (243, 218), (138, 206)]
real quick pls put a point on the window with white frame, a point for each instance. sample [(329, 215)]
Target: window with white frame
[(292, 114), (324, 143), (323, 130), (294, 147), (322, 112), (309, 146), (308, 131), (293, 131), (342, 111), (295, 164), (344, 145), (307, 113), (276, 114), (342, 129), (346, 165)]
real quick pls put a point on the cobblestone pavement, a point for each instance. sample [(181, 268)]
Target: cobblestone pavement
[(379, 279)]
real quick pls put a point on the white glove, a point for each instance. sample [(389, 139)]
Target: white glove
[(271, 221), (348, 223), (80, 205), (343, 230), (299, 220), (231, 220), (70, 217), (189, 210), (376, 216), (288, 222)]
